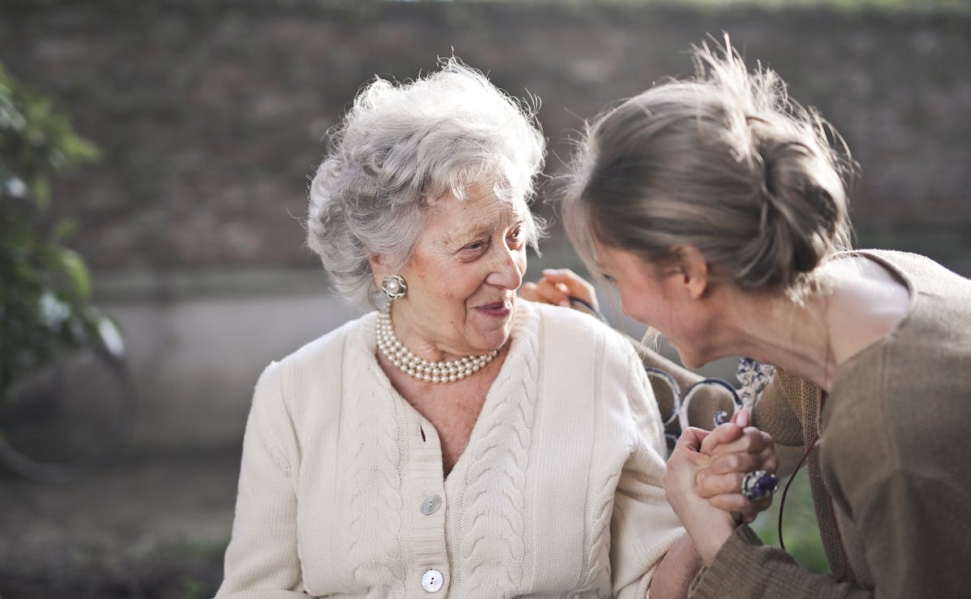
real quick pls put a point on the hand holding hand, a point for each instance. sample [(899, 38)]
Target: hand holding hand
[(708, 525), (735, 450)]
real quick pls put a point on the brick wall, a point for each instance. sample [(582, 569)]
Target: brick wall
[(211, 114)]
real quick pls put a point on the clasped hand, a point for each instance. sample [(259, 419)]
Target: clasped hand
[(704, 478)]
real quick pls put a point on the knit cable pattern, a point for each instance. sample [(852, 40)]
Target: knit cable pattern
[(598, 556), (598, 561), (493, 545), (375, 488)]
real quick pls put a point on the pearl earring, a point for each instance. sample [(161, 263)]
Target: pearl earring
[(394, 286)]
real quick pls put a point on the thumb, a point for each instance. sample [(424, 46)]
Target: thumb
[(692, 438)]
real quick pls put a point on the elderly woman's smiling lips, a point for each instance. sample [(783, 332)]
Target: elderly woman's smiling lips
[(499, 310)]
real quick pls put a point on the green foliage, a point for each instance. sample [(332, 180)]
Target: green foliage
[(45, 287), (800, 530)]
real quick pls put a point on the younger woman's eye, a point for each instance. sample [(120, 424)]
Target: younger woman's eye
[(610, 280)]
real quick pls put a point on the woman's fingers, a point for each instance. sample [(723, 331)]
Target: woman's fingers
[(721, 435), (686, 455), (557, 286), (545, 292), (742, 463), (720, 477), (742, 418), (745, 510), (724, 492), (720, 482), (748, 440), (572, 284), (691, 440), (712, 485), (734, 453), (528, 292), (683, 467)]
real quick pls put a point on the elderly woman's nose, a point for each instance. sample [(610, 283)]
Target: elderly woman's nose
[(506, 271)]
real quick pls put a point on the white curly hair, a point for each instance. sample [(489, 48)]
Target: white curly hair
[(402, 144)]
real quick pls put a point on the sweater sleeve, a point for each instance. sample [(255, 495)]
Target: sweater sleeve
[(262, 561), (744, 568), (643, 525), (773, 414)]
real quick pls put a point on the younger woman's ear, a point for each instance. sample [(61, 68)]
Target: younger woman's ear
[(694, 270)]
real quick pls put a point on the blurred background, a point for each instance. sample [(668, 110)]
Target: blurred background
[(206, 119)]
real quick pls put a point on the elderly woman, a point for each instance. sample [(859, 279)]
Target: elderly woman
[(450, 443), (718, 211)]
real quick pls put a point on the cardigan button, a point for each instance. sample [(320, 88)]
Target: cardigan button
[(431, 505), (432, 581)]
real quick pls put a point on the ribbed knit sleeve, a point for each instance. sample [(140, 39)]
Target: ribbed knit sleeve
[(643, 525), (262, 560), (774, 414), (744, 568)]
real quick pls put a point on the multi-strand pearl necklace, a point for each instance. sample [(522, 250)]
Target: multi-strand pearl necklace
[(433, 372)]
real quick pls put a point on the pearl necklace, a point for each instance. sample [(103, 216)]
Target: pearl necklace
[(415, 367)]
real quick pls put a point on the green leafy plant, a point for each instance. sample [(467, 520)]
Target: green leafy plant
[(45, 287), (800, 528)]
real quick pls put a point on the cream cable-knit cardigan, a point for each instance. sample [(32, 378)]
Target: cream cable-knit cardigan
[(558, 493)]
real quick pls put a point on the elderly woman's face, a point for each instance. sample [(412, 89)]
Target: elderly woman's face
[(463, 276)]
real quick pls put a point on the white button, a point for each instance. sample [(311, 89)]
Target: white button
[(431, 505), (432, 581)]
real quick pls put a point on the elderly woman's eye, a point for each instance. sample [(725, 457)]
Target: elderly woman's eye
[(610, 280), (516, 235)]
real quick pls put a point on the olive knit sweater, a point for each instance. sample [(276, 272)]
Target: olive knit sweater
[(891, 471)]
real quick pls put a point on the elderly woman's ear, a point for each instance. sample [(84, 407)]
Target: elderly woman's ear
[(378, 268)]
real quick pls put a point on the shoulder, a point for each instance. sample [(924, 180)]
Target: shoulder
[(600, 368), (330, 346), (306, 373), (572, 341), (583, 331), (907, 261), (576, 345), (932, 343), (920, 273)]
